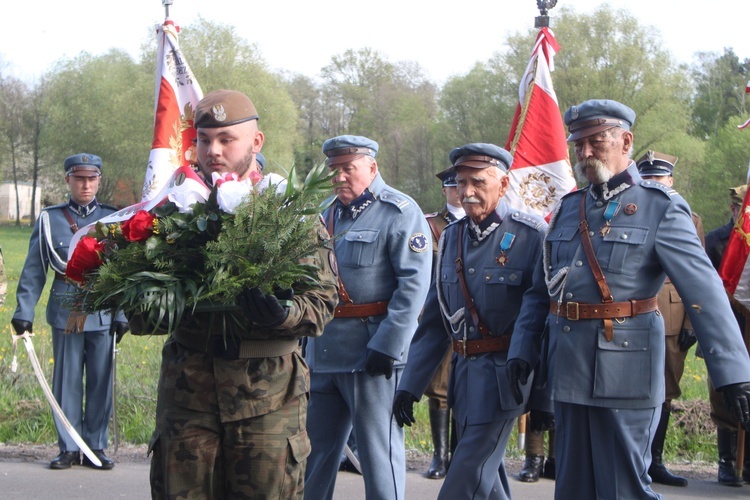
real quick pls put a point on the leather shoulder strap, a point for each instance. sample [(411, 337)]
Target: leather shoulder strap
[(464, 289), (73, 225), (343, 294)]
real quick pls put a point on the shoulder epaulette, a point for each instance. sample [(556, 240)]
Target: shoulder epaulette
[(61, 205), (658, 186), (399, 200), (530, 220)]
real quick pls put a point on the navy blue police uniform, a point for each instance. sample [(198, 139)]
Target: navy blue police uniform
[(497, 256)]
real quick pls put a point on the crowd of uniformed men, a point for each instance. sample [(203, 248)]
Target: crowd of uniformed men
[(583, 322)]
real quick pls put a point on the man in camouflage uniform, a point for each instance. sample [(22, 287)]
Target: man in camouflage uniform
[(231, 416)]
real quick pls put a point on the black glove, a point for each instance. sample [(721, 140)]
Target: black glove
[(21, 326), (517, 371), (378, 363), (119, 329), (403, 408), (687, 339), (737, 400), (267, 310), (542, 421)]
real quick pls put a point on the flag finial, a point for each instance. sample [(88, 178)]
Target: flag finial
[(542, 21), (166, 4)]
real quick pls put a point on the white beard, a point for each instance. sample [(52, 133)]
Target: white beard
[(591, 171)]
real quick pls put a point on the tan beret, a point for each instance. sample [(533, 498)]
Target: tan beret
[(737, 194), (222, 108)]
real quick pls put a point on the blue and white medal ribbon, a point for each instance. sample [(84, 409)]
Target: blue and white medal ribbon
[(612, 208), (505, 244)]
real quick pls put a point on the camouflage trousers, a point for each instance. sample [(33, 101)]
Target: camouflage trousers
[(197, 456)]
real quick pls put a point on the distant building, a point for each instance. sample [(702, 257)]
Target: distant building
[(8, 201)]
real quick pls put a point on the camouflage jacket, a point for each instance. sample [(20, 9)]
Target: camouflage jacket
[(236, 389)]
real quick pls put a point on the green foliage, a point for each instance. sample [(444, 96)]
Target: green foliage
[(183, 260), (719, 91), (101, 105), (263, 244)]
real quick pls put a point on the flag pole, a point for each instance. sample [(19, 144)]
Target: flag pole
[(540, 21), (166, 4)]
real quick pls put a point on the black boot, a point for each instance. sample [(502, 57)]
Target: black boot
[(439, 427), (726, 442), (549, 468), (658, 471), (746, 464), (65, 459), (532, 469)]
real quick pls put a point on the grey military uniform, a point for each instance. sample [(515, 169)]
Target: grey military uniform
[(600, 386), (384, 256), (497, 275), (48, 247)]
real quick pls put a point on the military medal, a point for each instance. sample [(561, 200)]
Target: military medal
[(505, 244), (612, 208)]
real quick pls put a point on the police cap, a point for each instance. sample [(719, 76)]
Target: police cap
[(655, 163), (480, 155), (83, 162), (597, 115), (448, 177), (347, 148)]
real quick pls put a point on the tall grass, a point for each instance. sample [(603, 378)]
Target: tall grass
[(26, 417)]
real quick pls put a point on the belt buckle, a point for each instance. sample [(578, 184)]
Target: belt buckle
[(568, 315), (462, 347)]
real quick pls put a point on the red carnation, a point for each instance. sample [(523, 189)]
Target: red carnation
[(139, 227), (86, 257)]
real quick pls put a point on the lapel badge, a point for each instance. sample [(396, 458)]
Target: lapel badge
[(631, 208)]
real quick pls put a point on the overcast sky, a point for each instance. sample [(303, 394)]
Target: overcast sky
[(445, 38)]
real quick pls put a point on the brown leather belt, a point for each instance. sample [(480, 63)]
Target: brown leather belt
[(574, 311), (360, 310), (59, 276), (479, 346)]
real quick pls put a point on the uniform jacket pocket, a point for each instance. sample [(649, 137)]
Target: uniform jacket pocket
[(623, 365), (361, 247)]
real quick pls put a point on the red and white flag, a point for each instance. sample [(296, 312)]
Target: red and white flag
[(177, 95), (541, 173), (735, 265), (747, 122)]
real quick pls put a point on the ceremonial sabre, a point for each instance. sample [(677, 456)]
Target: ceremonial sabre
[(352, 458), (26, 336)]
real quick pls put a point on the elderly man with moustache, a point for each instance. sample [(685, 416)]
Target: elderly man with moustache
[(485, 264), (607, 252)]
